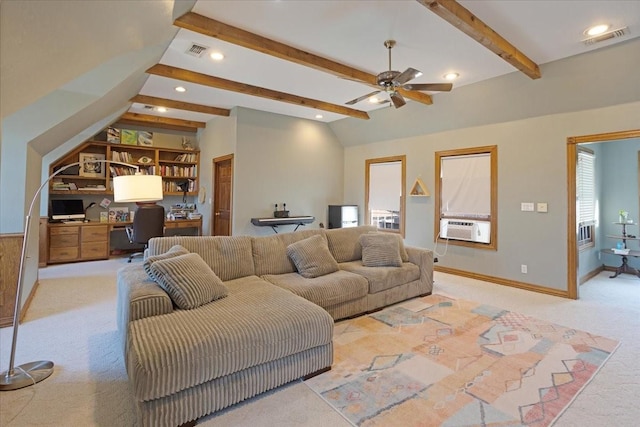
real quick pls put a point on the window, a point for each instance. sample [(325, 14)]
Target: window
[(466, 196), (585, 198), (385, 193)]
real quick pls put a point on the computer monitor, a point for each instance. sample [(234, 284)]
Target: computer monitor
[(64, 209)]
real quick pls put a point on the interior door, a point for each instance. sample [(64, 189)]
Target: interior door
[(222, 195)]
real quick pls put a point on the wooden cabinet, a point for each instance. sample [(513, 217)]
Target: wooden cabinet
[(78, 242), (175, 166)]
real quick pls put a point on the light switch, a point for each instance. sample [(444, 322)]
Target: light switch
[(526, 207), (542, 207)]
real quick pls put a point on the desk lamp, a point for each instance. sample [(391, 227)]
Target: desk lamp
[(126, 188)]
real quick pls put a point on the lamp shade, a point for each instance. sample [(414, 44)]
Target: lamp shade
[(137, 188)]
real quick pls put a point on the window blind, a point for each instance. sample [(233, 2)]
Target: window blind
[(585, 193), (385, 186), (466, 186)]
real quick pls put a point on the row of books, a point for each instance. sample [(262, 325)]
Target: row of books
[(178, 170), (172, 187), (121, 156), (71, 186), (186, 157)]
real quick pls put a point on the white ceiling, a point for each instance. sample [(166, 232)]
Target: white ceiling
[(353, 32)]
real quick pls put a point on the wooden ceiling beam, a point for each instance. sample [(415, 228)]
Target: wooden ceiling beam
[(179, 105), (212, 28), (461, 18), (161, 122), (224, 84), (124, 123)]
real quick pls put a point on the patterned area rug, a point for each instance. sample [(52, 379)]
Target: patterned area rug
[(437, 361)]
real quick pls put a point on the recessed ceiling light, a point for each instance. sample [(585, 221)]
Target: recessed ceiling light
[(451, 76), (161, 109), (596, 29), (374, 100), (180, 89), (216, 56), (319, 116)]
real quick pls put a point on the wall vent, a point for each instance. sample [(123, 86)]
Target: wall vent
[(606, 36), (196, 50)]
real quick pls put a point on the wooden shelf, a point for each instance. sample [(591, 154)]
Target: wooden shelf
[(160, 158), (419, 189)]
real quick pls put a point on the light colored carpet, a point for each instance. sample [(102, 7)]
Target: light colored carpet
[(72, 322)]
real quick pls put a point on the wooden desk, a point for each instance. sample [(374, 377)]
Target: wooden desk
[(87, 241), (169, 224), (78, 241)]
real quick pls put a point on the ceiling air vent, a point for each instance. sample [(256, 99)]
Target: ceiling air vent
[(196, 50), (606, 36)]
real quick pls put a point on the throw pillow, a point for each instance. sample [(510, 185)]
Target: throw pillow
[(311, 257), (188, 280), (174, 251), (380, 250)]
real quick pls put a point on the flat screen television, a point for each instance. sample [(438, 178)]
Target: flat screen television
[(65, 209)]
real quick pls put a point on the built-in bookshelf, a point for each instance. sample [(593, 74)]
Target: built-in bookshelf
[(178, 168)]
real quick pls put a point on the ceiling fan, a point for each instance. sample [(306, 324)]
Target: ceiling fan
[(391, 80)]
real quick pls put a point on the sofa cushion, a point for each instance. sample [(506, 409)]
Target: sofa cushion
[(344, 244), (256, 323), (188, 280), (327, 290), (380, 250), (172, 252), (311, 257), (229, 256), (270, 252), (383, 278)]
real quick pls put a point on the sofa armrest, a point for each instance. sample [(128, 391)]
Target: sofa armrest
[(138, 297), (423, 258)]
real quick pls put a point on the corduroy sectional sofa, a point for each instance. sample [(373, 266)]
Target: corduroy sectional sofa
[(269, 320)]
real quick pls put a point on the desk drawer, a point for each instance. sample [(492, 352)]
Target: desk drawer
[(97, 250), (95, 233), (63, 254), (63, 240), (56, 231)]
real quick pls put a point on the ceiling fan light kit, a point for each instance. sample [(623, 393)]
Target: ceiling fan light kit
[(390, 81)]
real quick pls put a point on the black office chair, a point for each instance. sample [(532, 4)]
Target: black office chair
[(148, 222)]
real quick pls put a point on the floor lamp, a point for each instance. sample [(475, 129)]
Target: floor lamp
[(126, 188)]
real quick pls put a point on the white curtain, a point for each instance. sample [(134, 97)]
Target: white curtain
[(385, 186), (466, 186)]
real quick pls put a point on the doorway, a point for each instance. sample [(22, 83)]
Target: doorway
[(222, 195), (572, 235)]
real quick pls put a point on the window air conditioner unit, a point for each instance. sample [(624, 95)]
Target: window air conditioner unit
[(468, 230)]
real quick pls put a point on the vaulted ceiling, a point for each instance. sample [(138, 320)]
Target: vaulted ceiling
[(308, 58), (300, 58)]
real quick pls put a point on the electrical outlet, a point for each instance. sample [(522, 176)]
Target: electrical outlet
[(523, 268)]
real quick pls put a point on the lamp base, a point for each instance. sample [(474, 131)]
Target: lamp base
[(25, 375)]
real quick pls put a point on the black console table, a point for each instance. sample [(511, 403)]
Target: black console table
[(275, 222)]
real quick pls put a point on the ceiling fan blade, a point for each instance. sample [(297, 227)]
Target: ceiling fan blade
[(397, 99), (406, 75), (438, 87), (355, 101)]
